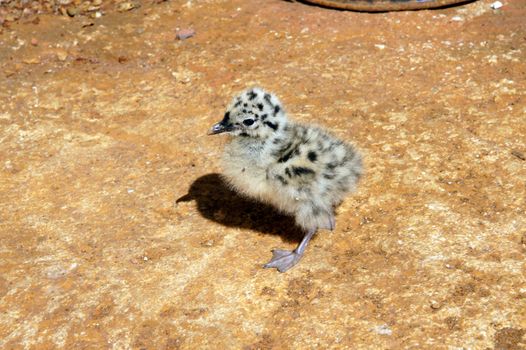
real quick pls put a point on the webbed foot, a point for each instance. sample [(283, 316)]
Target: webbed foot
[(283, 259)]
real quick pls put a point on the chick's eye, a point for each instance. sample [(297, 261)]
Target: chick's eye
[(248, 122)]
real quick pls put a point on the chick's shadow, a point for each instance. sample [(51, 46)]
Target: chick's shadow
[(217, 202)]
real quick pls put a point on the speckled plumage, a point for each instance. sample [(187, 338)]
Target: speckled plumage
[(301, 170)]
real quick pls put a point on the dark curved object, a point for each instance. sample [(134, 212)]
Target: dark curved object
[(384, 5)]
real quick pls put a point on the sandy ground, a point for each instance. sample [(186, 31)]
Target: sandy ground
[(116, 231)]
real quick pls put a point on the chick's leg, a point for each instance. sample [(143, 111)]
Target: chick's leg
[(330, 222), (285, 259)]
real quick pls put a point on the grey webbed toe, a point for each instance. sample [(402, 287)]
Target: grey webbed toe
[(283, 260)]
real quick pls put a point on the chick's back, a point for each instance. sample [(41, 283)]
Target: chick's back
[(313, 166)]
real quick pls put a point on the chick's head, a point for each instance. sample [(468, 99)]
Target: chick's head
[(253, 113)]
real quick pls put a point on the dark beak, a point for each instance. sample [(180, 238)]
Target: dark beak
[(219, 128)]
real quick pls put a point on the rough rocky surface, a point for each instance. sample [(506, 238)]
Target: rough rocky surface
[(117, 233)]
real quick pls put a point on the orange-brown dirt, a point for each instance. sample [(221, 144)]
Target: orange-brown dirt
[(116, 231)]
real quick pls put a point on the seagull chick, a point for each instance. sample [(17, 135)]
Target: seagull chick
[(301, 170)]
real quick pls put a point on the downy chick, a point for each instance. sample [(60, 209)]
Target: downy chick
[(301, 170)]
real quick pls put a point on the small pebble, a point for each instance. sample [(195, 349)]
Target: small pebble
[(435, 305), (208, 243), (33, 60), (457, 18), (34, 42), (62, 55), (185, 33), (496, 5), (383, 330), (72, 11), (518, 154), (127, 6), (87, 23)]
